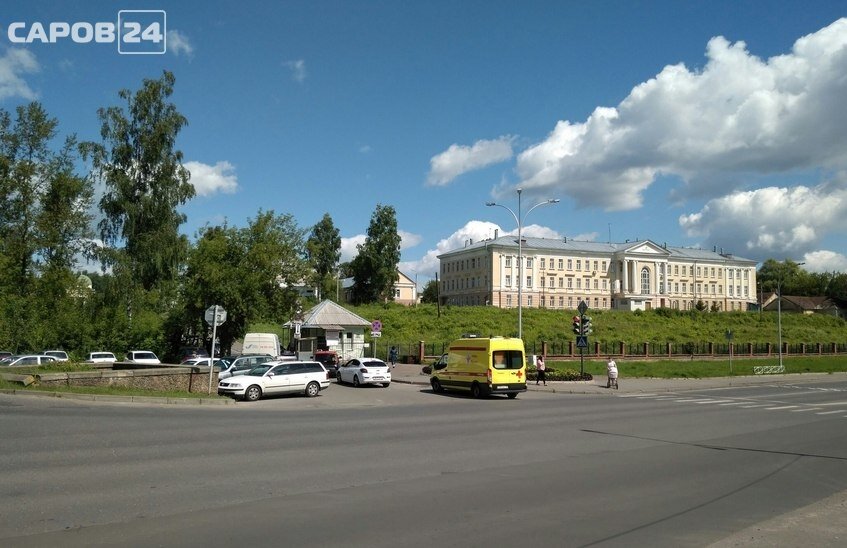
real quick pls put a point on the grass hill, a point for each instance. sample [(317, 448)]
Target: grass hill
[(411, 324)]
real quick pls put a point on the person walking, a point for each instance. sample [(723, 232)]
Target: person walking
[(540, 370), (392, 357)]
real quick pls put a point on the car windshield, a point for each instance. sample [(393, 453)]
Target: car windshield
[(507, 359), (374, 363), (144, 356), (259, 371)]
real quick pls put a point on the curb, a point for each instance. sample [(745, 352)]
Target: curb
[(108, 398)]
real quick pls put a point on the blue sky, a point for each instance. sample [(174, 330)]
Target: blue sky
[(688, 123)]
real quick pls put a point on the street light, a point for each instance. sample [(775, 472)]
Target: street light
[(519, 217), (779, 308)]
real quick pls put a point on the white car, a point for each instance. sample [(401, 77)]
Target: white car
[(142, 356), (277, 377), (33, 359), (101, 357), (361, 371), (60, 355), (204, 362)]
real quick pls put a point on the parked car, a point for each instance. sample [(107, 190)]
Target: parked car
[(142, 356), (5, 356), (220, 365), (101, 357), (30, 359), (243, 364), (361, 371), (191, 352), (277, 377), (329, 359), (440, 363), (60, 355)]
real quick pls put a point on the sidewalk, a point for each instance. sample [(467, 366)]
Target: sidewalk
[(411, 374)]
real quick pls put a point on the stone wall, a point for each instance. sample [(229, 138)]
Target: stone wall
[(184, 379)]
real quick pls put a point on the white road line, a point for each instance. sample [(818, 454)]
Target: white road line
[(756, 405), (685, 401), (733, 403), (636, 395), (829, 412), (783, 407), (806, 409), (710, 401)]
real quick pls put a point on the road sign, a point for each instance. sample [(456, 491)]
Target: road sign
[(582, 307), (210, 317), (376, 334), (376, 325), (297, 325), (582, 341)]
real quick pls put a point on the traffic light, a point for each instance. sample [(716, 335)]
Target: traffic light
[(577, 325), (586, 325)]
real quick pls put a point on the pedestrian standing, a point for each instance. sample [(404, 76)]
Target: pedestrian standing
[(392, 357), (540, 370), (611, 373)]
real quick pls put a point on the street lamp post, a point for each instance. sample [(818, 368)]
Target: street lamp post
[(519, 217), (779, 281)]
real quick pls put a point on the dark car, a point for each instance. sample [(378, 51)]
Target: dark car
[(191, 352), (329, 359)]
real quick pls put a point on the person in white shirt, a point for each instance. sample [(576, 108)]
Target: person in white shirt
[(612, 372), (541, 371)]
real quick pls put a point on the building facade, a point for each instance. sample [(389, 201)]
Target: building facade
[(638, 275)]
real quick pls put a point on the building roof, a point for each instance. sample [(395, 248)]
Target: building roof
[(575, 246), (329, 315)]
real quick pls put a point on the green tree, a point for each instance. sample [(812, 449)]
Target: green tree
[(251, 272), (375, 265), (787, 274), (324, 251), (44, 224), (430, 292), (145, 184)]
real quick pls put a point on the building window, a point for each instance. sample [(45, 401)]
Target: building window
[(579, 283), (543, 263), (561, 302), (529, 281), (570, 302), (529, 301), (561, 282), (508, 300), (570, 283), (552, 302), (561, 264), (596, 302), (579, 264), (645, 281), (529, 262), (508, 262), (730, 290), (596, 284), (684, 286), (570, 264), (676, 273), (595, 265), (542, 281), (553, 282), (508, 280), (605, 285)]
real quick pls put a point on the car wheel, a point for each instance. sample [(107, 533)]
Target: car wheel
[(356, 381), (312, 389), (385, 384), (512, 395), (252, 393), (436, 386), (338, 379), (476, 391)]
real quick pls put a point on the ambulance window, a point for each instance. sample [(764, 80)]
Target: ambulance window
[(507, 359)]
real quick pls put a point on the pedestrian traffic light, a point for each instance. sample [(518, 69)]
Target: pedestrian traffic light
[(577, 325), (586, 325)]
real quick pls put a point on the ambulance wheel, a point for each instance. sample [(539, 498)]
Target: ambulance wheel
[(476, 390), (436, 386), (512, 395)]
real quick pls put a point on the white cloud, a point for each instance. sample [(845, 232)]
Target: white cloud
[(298, 69), (13, 65), (772, 222), (407, 239), (825, 261), (458, 159), (178, 43), (208, 180), (348, 247), (714, 127)]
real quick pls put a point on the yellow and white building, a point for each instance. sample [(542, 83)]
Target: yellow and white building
[(638, 275)]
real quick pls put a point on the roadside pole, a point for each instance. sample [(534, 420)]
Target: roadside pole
[(215, 316)]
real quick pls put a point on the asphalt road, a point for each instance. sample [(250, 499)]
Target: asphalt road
[(403, 466)]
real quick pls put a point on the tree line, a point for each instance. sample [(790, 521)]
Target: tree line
[(122, 214)]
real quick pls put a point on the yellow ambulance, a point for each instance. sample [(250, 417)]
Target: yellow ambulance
[(482, 366)]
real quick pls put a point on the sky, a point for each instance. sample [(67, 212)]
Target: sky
[(712, 124)]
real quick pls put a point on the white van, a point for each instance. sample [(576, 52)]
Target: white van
[(261, 343)]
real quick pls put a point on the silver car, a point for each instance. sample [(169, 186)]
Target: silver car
[(277, 377), (32, 359)]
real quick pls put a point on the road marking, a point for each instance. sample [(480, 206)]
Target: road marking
[(756, 405), (636, 395), (733, 403), (685, 401), (710, 401), (807, 409), (829, 412), (783, 407)]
